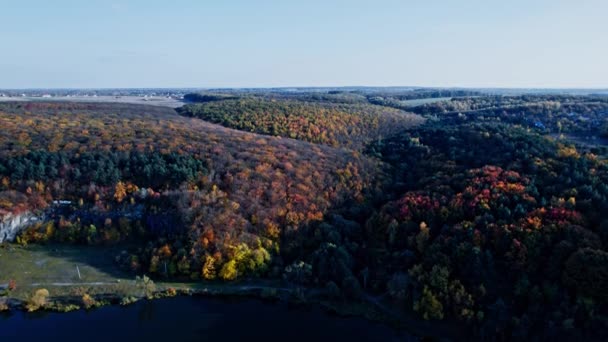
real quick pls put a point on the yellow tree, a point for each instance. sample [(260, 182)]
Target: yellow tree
[(229, 270), (209, 271), (120, 192)]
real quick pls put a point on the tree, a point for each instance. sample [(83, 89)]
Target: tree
[(91, 234), (423, 237), (438, 279), (604, 128), (229, 270), (12, 285), (146, 285), (120, 192), (88, 301), (398, 285), (38, 300), (461, 302), (165, 251), (428, 305), (183, 265), (209, 272), (154, 262), (586, 271)]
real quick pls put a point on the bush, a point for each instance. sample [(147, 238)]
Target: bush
[(88, 301), (38, 300), (4, 305)]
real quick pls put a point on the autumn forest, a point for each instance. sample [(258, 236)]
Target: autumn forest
[(482, 213)]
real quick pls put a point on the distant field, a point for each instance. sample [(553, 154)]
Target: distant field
[(161, 101), (419, 102)]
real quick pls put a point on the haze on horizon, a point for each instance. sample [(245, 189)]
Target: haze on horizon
[(473, 43)]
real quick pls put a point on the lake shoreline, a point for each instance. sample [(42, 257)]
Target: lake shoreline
[(193, 318), (297, 297)]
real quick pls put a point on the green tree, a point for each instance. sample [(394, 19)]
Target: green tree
[(587, 271), (438, 279), (91, 234), (428, 305), (146, 285)]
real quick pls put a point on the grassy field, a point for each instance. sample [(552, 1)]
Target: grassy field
[(57, 268)]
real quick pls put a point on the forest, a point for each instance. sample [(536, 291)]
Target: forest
[(333, 124), (470, 212)]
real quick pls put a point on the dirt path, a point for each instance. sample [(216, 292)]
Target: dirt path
[(97, 283), (195, 286)]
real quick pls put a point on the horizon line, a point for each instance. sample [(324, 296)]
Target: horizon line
[(313, 87)]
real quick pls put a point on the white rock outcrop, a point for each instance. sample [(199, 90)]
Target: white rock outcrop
[(11, 225)]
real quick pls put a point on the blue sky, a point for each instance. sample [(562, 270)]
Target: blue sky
[(179, 43)]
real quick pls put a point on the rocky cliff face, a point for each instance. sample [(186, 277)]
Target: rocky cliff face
[(11, 224)]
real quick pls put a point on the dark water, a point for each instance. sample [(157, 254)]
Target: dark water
[(194, 319)]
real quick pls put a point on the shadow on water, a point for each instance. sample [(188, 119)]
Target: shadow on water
[(195, 319)]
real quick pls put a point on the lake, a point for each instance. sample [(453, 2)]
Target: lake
[(195, 319)]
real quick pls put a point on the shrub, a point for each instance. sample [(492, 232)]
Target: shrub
[(38, 300)]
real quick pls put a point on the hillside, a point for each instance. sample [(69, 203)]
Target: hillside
[(202, 194), (334, 124)]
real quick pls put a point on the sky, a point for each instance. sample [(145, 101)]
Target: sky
[(248, 43)]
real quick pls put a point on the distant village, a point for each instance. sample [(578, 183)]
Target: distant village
[(52, 93)]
